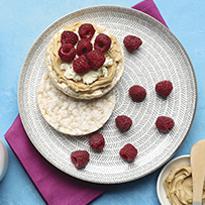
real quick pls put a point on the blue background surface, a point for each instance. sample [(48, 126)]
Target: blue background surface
[(20, 24)]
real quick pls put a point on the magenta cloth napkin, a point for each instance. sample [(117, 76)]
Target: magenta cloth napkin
[(149, 7), (54, 186)]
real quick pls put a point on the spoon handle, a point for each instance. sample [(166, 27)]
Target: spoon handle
[(198, 182), (198, 170)]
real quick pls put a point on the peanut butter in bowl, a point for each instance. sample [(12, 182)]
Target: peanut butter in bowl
[(178, 186), (174, 184)]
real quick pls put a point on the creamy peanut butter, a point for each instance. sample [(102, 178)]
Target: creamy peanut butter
[(178, 186)]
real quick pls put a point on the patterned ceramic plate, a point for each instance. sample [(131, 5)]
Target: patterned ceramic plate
[(161, 57)]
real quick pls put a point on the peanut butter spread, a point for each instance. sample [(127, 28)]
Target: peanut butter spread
[(178, 186)]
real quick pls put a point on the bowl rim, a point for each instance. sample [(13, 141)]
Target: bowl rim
[(4, 160), (158, 184)]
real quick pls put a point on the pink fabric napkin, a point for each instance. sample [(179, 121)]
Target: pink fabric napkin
[(54, 186), (149, 7)]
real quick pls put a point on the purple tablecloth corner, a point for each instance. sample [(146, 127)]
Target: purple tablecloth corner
[(149, 7), (54, 186)]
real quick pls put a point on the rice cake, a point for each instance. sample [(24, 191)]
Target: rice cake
[(71, 116)]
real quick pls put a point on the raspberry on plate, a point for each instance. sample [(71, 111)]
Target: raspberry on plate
[(67, 52), (81, 65), (69, 37), (137, 93), (123, 123), (102, 42), (84, 46), (80, 158), (164, 88), (96, 59), (128, 153), (164, 124), (97, 142), (132, 43), (86, 31)]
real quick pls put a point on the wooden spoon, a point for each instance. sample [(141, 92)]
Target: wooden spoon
[(198, 171)]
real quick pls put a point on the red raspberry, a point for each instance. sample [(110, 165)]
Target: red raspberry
[(67, 52), (102, 42), (84, 46), (137, 93), (123, 123), (132, 43), (96, 59), (97, 142), (128, 153), (86, 31), (164, 124), (69, 37), (164, 88), (80, 158), (81, 65)]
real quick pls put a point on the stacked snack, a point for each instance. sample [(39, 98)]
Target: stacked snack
[(84, 64), (84, 61)]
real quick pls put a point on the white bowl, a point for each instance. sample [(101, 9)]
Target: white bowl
[(3, 160), (183, 160)]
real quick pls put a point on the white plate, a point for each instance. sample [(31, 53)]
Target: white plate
[(160, 57), (183, 160)]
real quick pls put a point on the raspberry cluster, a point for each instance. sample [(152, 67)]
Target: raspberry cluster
[(80, 158), (81, 52)]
